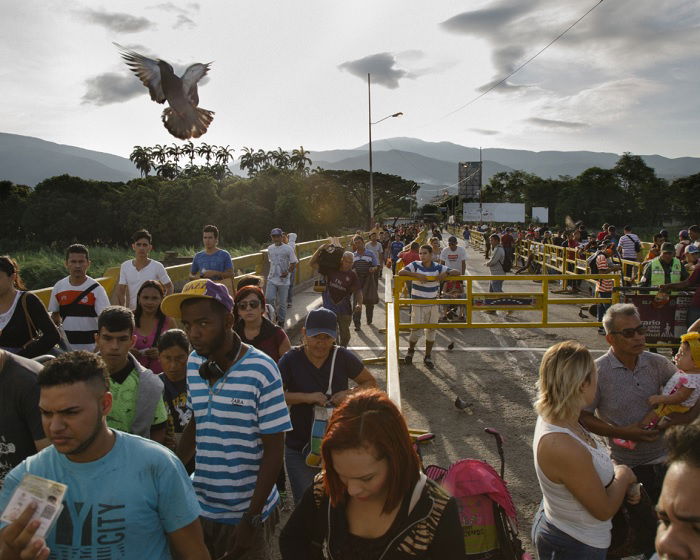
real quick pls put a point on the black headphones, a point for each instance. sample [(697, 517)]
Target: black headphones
[(211, 370)]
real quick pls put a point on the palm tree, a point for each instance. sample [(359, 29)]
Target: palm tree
[(206, 151), (175, 152), (141, 158), (247, 161), (281, 158), (261, 159), (189, 150), (224, 154), (299, 159), (159, 153)]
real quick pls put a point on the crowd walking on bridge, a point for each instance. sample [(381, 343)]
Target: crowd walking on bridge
[(179, 419)]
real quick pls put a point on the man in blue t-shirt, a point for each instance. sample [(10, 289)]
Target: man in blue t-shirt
[(127, 497), (423, 288), (212, 263), (394, 249)]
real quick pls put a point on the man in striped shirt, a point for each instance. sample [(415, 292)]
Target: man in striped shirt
[(604, 287), (237, 430), (423, 288), (628, 244)]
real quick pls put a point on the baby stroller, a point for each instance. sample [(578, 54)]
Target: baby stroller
[(485, 506)]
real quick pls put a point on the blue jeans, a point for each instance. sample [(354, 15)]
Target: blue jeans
[(496, 286), (277, 296), (554, 544), (301, 476)]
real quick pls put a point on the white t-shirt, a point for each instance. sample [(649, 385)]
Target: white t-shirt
[(454, 259), (132, 278), (79, 328), (280, 258)]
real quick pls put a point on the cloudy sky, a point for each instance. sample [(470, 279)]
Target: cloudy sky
[(294, 73)]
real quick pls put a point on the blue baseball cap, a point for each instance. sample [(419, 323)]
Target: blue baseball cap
[(321, 321), (276, 231)]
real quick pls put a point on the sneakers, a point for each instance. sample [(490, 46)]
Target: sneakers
[(601, 330), (428, 362), (408, 358), (289, 305), (358, 328)]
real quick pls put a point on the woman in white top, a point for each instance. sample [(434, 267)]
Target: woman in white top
[(581, 487)]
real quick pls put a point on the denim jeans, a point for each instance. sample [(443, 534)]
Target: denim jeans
[(496, 286), (554, 544), (301, 476), (277, 296)]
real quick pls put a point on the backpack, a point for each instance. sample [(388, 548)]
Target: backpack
[(329, 259)]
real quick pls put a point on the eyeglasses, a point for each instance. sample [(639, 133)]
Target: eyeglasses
[(629, 333), (243, 305)]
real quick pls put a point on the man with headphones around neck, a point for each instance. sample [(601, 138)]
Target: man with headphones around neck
[(237, 429)]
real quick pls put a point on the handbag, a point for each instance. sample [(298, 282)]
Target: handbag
[(369, 291), (320, 285), (633, 528), (34, 333), (320, 422)]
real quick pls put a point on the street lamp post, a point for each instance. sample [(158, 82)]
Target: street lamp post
[(370, 123)]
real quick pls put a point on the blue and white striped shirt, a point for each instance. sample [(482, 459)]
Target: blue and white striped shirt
[(425, 290), (230, 416)]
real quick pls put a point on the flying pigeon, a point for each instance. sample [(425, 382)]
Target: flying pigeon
[(182, 118)]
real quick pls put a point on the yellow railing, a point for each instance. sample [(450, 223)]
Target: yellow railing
[(477, 301), (553, 258), (243, 266)]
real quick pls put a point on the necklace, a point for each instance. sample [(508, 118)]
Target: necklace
[(579, 430)]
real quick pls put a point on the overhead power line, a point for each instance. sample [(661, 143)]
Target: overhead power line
[(528, 61)]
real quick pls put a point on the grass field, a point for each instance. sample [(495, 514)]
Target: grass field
[(43, 268)]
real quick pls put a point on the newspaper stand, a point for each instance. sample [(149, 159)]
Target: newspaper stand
[(665, 319)]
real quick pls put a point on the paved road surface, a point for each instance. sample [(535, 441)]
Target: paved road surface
[(494, 370)]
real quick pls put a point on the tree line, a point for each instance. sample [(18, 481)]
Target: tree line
[(165, 160), (630, 193), (281, 191)]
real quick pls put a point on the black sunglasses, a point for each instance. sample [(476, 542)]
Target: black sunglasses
[(243, 305), (629, 333)]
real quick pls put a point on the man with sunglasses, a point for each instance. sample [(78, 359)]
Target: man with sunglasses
[(627, 376)]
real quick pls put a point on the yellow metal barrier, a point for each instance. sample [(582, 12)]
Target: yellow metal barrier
[(478, 302), (243, 266), (559, 259)]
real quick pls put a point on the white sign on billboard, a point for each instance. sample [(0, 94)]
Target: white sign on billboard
[(540, 214), (502, 212)]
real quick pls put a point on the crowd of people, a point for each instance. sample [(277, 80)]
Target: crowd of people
[(182, 442)]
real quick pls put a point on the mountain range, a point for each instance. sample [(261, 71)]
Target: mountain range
[(28, 160)]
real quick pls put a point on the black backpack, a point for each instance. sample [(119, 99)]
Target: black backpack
[(329, 259)]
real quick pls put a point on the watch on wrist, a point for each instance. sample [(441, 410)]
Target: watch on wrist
[(254, 521)]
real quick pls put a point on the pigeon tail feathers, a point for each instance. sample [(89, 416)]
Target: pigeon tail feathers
[(192, 125)]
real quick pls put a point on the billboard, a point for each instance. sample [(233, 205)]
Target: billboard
[(469, 179), (502, 212), (540, 214)]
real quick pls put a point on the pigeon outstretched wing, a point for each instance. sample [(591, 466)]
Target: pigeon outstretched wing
[(147, 71), (192, 75)]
